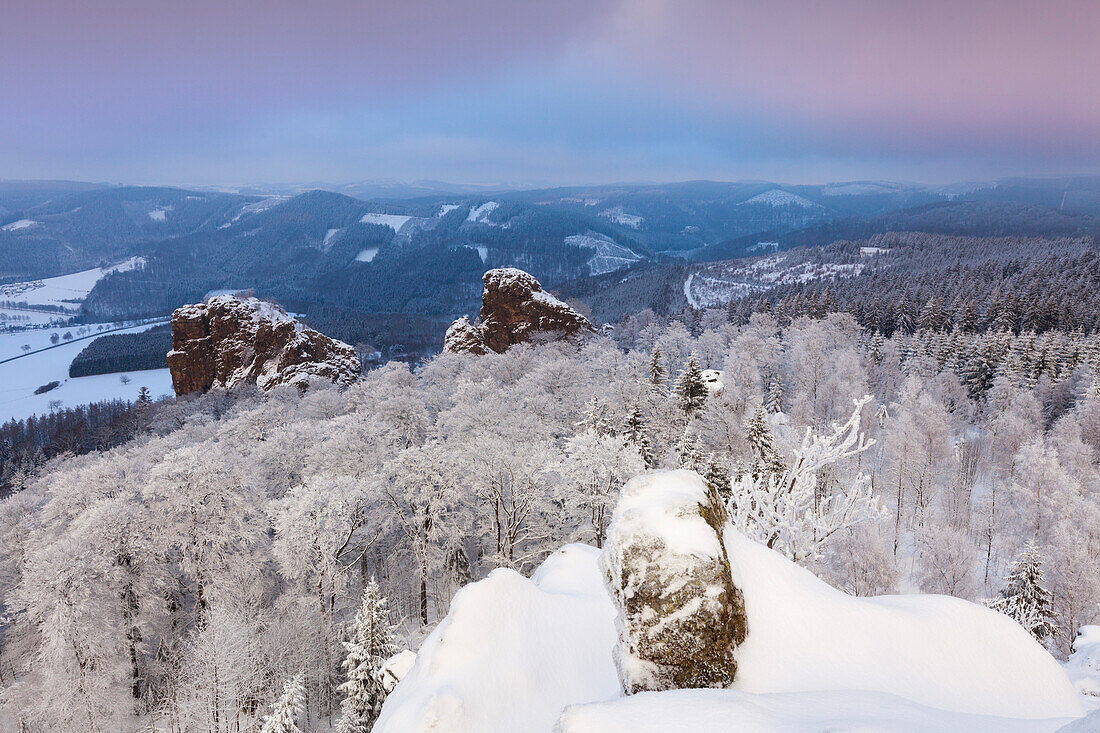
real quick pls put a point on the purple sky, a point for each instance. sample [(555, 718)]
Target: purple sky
[(547, 92)]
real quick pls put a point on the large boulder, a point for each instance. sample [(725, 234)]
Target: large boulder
[(680, 615), (228, 341), (514, 309)]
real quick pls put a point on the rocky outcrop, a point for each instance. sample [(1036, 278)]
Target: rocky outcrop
[(679, 614), (514, 309), (228, 341)]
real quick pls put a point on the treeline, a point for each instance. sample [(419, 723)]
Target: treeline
[(124, 352), (25, 445)]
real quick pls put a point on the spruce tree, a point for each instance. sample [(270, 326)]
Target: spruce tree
[(286, 709), (656, 367), (370, 646), (691, 390), (1024, 598), (766, 458), (634, 429), (773, 401)]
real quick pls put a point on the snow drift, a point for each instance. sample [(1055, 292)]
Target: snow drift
[(512, 652)]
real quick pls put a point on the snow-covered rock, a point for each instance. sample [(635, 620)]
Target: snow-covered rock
[(514, 309), (679, 614), (511, 653), (395, 668), (514, 653), (227, 341)]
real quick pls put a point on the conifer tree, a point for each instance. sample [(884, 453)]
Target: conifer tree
[(370, 646), (656, 367), (691, 390), (773, 400), (1024, 598), (286, 709), (766, 459), (634, 430)]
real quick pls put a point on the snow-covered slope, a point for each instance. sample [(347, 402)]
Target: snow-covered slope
[(609, 255), (779, 197), (393, 221)]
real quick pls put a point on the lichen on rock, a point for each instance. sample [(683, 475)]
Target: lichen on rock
[(680, 616)]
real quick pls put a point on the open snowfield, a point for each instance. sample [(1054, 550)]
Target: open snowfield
[(778, 197), (17, 225), (19, 378)]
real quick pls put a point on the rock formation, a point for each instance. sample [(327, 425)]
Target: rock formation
[(680, 616), (227, 341), (514, 309)]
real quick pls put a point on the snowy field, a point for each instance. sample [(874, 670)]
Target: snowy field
[(618, 216), (19, 378), (64, 290), (480, 214), (393, 221)]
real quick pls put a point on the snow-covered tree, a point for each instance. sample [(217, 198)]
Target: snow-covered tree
[(788, 513), (284, 713), (636, 433), (1025, 598), (691, 390), (657, 372), (371, 644)]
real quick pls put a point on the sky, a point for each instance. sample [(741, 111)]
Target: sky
[(533, 92)]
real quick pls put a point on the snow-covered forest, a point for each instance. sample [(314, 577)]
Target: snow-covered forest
[(217, 570)]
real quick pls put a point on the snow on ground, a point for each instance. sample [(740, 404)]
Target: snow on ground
[(609, 255), (64, 290), (872, 251), (512, 653), (19, 378), (726, 711), (158, 214), (1083, 667), (393, 221), (17, 225), (366, 255), (619, 216), (329, 235), (480, 214), (778, 197), (446, 209)]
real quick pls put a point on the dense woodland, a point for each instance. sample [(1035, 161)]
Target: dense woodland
[(186, 576), (123, 352)]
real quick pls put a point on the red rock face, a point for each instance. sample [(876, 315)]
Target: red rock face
[(514, 309), (227, 341)]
